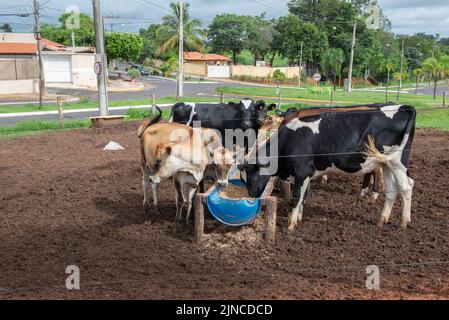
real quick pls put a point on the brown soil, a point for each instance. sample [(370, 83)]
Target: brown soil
[(64, 201)]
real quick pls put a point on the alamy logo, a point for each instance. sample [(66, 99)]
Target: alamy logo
[(373, 280), (73, 20), (73, 280)]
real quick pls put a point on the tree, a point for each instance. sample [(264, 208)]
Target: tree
[(417, 72), (148, 36), (228, 32), (389, 66), (292, 32), (332, 62), (400, 77), (6, 27), (260, 37), (168, 34), (84, 35), (437, 70), (125, 46)]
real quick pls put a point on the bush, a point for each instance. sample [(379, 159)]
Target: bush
[(279, 76), (134, 73)]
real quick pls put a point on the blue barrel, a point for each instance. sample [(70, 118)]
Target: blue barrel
[(233, 212)]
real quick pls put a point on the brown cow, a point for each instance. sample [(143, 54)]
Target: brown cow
[(170, 150)]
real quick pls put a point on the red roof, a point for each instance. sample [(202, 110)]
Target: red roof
[(18, 48), (27, 48), (196, 56)]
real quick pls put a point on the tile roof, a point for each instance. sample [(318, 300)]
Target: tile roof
[(18, 48), (28, 48), (196, 56)]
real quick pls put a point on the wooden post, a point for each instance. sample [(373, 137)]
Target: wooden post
[(153, 98), (270, 220), (221, 98), (332, 98), (286, 190), (444, 99), (199, 219), (61, 112)]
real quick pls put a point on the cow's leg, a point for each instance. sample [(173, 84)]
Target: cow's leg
[(366, 185), (405, 185), (299, 192), (391, 194), (377, 182), (179, 201), (324, 179), (155, 189), (191, 192), (146, 182)]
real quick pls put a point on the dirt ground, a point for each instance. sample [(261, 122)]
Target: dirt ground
[(64, 201)]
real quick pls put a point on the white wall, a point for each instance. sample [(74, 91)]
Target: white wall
[(83, 70), (18, 86)]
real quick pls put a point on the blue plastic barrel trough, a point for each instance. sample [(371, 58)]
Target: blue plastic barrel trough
[(233, 212)]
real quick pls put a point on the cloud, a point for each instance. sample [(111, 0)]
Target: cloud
[(407, 16)]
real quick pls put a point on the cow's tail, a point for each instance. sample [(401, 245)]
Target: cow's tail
[(372, 151), (153, 121)]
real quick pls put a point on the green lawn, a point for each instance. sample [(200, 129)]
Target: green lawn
[(356, 97), (93, 104), (427, 117)]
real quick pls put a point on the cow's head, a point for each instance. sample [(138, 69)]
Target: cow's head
[(223, 161), (255, 181), (246, 108), (260, 113)]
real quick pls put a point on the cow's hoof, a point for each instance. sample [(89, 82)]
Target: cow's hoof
[(381, 223), (404, 225)]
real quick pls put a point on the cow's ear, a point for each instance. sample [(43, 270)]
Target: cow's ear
[(168, 150), (259, 105), (242, 167), (272, 107)]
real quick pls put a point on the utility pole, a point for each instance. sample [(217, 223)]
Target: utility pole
[(402, 69), (180, 82), (300, 63), (351, 64), (99, 42), (38, 37)]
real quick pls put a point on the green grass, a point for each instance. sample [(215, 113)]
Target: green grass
[(433, 119), (356, 97), (94, 104), (30, 127)]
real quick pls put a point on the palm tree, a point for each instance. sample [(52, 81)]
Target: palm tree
[(6, 27), (389, 65), (167, 35), (437, 71), (331, 62), (398, 77), (417, 72)]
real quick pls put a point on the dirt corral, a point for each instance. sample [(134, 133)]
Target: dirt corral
[(64, 202)]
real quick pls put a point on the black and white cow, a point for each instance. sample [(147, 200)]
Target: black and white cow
[(248, 114), (341, 143)]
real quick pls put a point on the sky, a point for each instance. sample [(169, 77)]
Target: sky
[(407, 16)]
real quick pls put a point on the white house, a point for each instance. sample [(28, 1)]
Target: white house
[(62, 65)]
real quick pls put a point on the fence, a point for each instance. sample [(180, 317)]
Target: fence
[(264, 72), (19, 69), (195, 69)]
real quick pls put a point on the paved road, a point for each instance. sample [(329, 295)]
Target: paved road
[(160, 86)]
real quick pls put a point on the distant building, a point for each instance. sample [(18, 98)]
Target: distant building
[(211, 59), (62, 65)]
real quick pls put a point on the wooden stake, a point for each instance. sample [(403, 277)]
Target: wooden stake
[(270, 220), (286, 190), (153, 97), (199, 219), (61, 112), (221, 98)]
